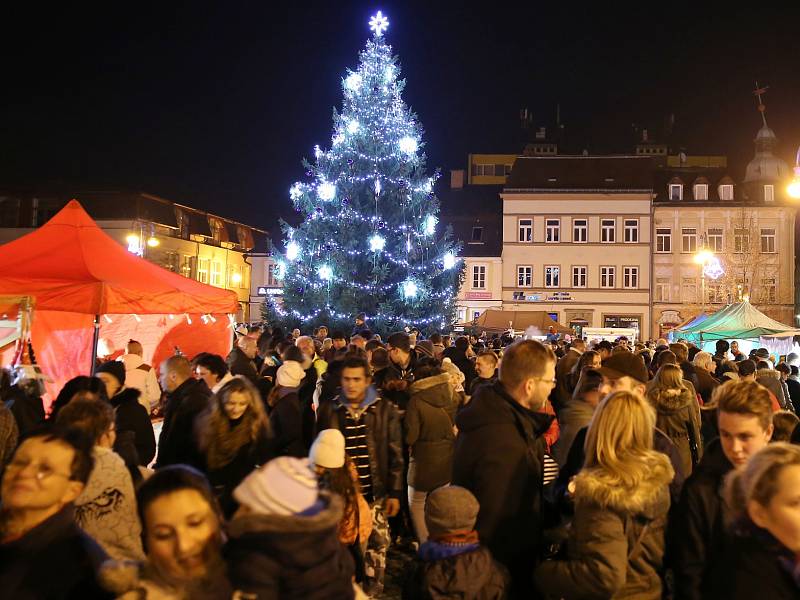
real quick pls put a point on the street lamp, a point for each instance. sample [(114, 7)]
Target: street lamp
[(703, 257), (794, 188)]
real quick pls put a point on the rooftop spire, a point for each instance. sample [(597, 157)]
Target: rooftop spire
[(758, 92)]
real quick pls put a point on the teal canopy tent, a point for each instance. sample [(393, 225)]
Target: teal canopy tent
[(740, 321)]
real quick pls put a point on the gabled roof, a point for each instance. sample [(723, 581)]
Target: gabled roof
[(581, 174), (688, 177), (470, 207)]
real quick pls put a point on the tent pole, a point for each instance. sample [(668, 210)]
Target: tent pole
[(95, 340)]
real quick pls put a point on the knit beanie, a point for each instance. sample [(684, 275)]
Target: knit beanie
[(284, 486), (115, 368), (327, 451), (450, 509), (451, 369), (425, 347), (290, 374)]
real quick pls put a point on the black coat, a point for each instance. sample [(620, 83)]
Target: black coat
[(396, 380), (54, 560), (177, 443), (384, 441), (499, 456), (132, 416), (225, 479), (791, 384), (278, 557), (752, 568), (696, 535), (27, 410), (287, 426), (471, 575), (465, 365), (241, 364)]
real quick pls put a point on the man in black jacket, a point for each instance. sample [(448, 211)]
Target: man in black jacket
[(499, 457), (697, 534), (241, 360), (458, 354), (400, 373), (186, 399), (373, 441)]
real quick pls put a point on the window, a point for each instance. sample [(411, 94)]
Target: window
[(506, 169), (524, 275), (741, 241), (662, 289), (608, 230), (631, 231), (630, 277), (479, 277), (477, 234), (608, 277), (726, 192), (552, 230), (769, 291), (552, 276), (675, 191), (769, 193), (235, 278), (187, 265), (701, 191), (580, 230), (689, 289), (663, 240), (271, 279), (688, 239), (715, 293), (768, 241), (216, 273), (462, 314), (202, 270), (714, 239), (579, 277), (525, 230)]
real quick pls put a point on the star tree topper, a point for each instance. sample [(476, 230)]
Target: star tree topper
[(378, 24)]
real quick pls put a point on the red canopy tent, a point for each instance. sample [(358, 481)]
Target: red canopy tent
[(76, 273)]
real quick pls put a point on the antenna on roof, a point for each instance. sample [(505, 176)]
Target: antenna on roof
[(525, 118), (758, 92)]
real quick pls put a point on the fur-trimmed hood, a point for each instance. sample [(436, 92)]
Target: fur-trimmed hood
[(434, 390), (646, 498), (768, 373), (670, 400)]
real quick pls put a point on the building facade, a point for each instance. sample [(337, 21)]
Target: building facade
[(577, 237), (187, 241)]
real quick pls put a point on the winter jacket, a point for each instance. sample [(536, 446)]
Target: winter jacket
[(771, 380), (791, 384), (106, 508), (690, 374), (575, 415), (305, 395), (241, 364), (678, 416), (499, 456), (464, 364), (177, 443), (478, 381), (563, 390), (467, 574), (706, 384), (287, 424), (142, 377), (131, 416), (429, 432), (396, 381), (757, 565), (384, 439), (697, 533), (279, 557), (616, 544), (54, 560), (27, 410), (131, 580)]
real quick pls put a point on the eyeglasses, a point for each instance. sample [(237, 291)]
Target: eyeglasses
[(550, 381), (42, 471)]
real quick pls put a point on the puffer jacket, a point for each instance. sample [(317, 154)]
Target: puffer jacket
[(429, 432), (772, 381), (616, 544), (678, 416), (290, 557), (469, 575), (384, 439)]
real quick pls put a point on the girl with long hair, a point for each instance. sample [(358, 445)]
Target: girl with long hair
[(616, 543), (677, 414), (234, 437)]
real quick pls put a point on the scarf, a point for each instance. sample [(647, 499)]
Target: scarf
[(449, 545), (227, 438)]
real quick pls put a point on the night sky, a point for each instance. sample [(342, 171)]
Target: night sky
[(214, 104)]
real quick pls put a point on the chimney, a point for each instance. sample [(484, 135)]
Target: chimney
[(541, 133), (456, 179), (644, 135)]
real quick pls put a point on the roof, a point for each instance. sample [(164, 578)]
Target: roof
[(470, 207), (624, 174), (688, 176), (736, 321), (69, 264)]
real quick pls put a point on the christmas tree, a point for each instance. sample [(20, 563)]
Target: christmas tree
[(370, 241)]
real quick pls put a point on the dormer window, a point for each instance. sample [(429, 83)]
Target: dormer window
[(675, 192), (701, 191), (477, 234), (769, 193), (726, 192)]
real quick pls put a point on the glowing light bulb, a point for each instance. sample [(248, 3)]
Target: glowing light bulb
[(377, 187), (292, 250), (353, 126), (408, 145), (378, 24), (296, 191), (410, 288), (794, 189), (325, 273), (152, 241), (377, 243), (353, 82), (326, 191), (449, 260), (430, 225), (236, 278)]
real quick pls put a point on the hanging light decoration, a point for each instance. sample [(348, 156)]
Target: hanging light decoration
[(377, 243), (449, 260), (409, 289), (292, 250), (325, 273), (430, 225), (353, 82), (408, 145), (326, 191)]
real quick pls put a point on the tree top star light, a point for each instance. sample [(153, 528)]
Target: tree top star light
[(378, 24)]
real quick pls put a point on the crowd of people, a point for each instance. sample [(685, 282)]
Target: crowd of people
[(560, 468)]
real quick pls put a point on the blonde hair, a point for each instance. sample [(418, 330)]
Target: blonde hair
[(703, 360), (744, 398), (758, 480), (668, 377), (620, 439)]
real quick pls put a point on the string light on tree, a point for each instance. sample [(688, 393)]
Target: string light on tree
[(353, 127), (449, 260), (410, 289), (408, 145), (353, 82), (377, 243), (296, 192), (292, 250), (326, 191), (430, 224), (325, 273)]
